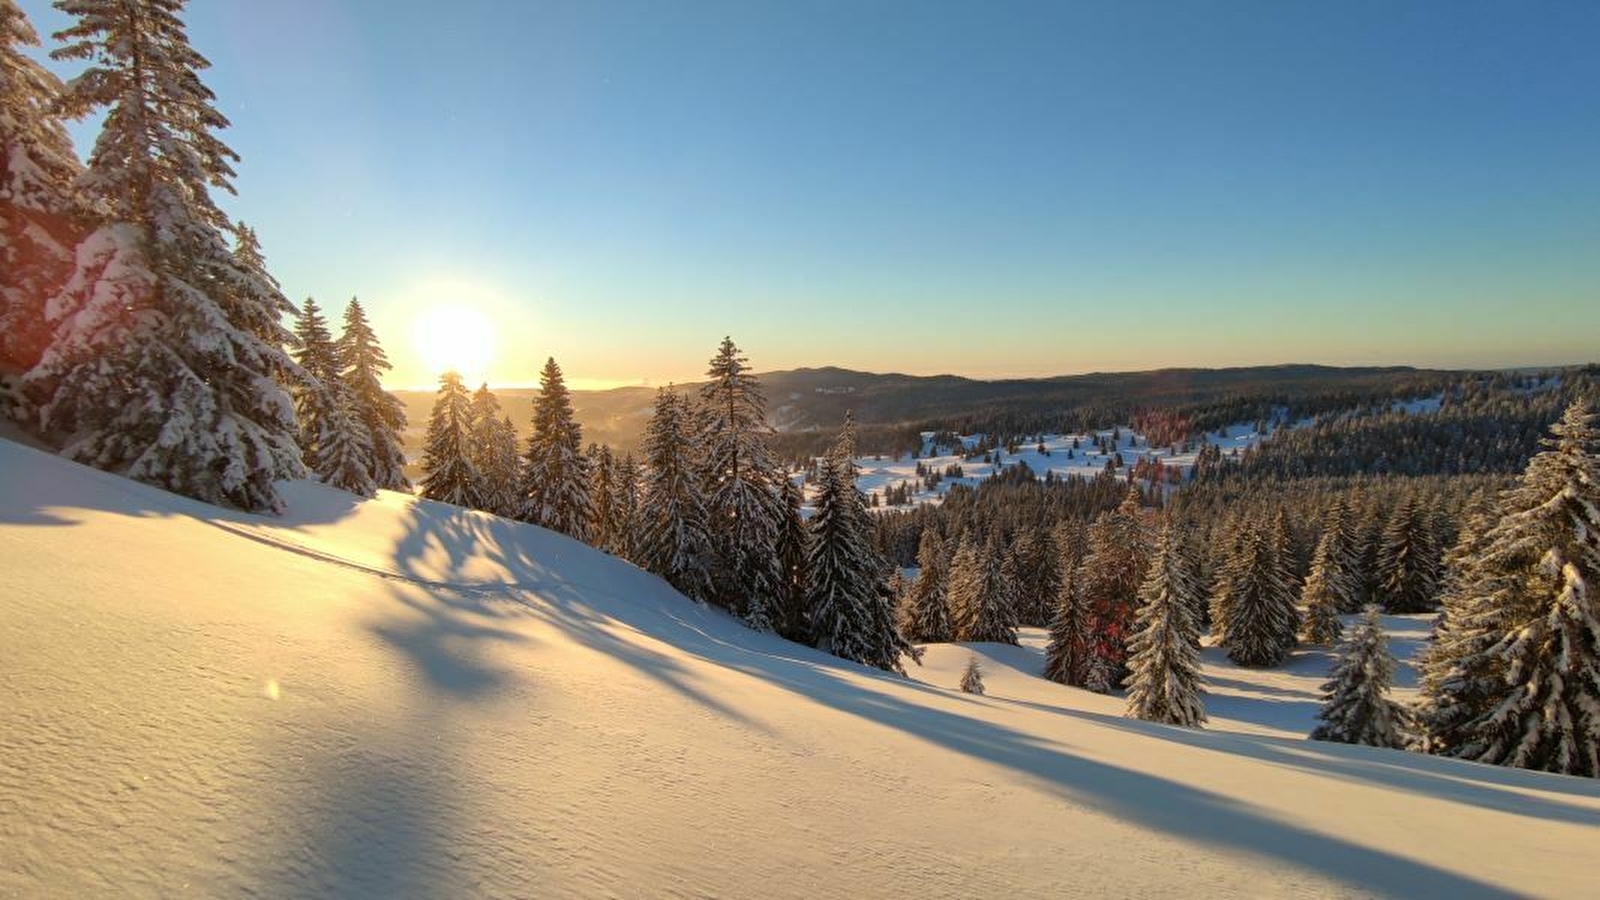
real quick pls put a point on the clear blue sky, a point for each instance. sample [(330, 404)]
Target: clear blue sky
[(982, 188)]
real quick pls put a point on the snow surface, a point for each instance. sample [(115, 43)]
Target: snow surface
[(399, 698)]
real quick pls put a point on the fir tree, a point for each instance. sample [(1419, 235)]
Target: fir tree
[(448, 474), (1460, 674), (1260, 621), (789, 618), (342, 448), (602, 468), (362, 363), (1163, 654), (625, 509), (925, 614), (990, 616), (165, 350), (1340, 548), (1535, 690), (315, 393), (1356, 708), (555, 483), (38, 215), (492, 448), (741, 478), (1111, 575), (972, 676), (1321, 596), (1408, 564), (849, 607), (1072, 634), (672, 536)]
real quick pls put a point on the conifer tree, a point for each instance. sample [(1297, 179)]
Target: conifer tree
[(1356, 708), (925, 614), (1163, 654), (1321, 596), (851, 612), (1072, 634), (964, 584), (555, 483), (972, 676), (1535, 691), (742, 504), (602, 468), (790, 618), (164, 349), (342, 448), (362, 363), (38, 214), (990, 616), (1260, 621), (625, 509), (1408, 564), (1341, 558), (492, 447), (1460, 674), (672, 538), (1111, 574), (314, 394), (448, 474)]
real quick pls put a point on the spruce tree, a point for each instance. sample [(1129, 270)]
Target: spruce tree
[(992, 618), (964, 584), (38, 214), (625, 509), (849, 607), (342, 448), (448, 474), (1341, 558), (1072, 634), (790, 618), (1460, 674), (672, 538), (1321, 597), (741, 484), (1163, 654), (1538, 684), (1260, 621), (925, 613), (165, 350), (492, 448), (555, 481), (315, 392), (602, 468), (1408, 564), (972, 676), (1111, 574), (362, 363), (1356, 708)]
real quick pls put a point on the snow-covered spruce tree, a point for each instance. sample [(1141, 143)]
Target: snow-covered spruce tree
[(849, 607), (555, 481), (741, 484), (448, 474), (164, 350), (1260, 620), (789, 617), (1534, 585), (993, 619), (362, 363), (314, 394), (492, 448), (38, 216), (342, 448), (260, 306), (602, 468), (672, 538), (1321, 597), (964, 585), (1036, 562), (1460, 674), (1356, 708), (1408, 563), (1072, 634), (1341, 557), (1111, 573), (972, 676), (925, 614), (625, 509), (1163, 654)]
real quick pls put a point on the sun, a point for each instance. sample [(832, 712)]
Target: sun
[(455, 338)]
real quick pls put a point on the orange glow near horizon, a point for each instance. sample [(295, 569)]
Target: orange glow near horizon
[(457, 338)]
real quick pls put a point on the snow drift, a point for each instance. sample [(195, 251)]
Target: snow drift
[(396, 697)]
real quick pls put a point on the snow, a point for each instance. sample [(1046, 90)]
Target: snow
[(396, 697)]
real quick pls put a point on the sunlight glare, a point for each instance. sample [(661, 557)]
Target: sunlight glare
[(455, 337)]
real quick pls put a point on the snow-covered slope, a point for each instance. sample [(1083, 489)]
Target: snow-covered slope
[(400, 698)]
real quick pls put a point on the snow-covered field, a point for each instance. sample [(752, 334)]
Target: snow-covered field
[(399, 698)]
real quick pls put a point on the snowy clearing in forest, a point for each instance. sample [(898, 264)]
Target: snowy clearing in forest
[(398, 697)]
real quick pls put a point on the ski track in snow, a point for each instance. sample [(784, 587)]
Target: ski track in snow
[(399, 698)]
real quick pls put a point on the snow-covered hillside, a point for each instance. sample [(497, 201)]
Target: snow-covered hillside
[(395, 697)]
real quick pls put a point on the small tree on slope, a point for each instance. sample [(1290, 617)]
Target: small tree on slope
[(448, 474), (165, 350), (1163, 655), (1356, 708), (492, 448), (789, 618), (342, 448), (671, 533), (314, 394), (972, 676)]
